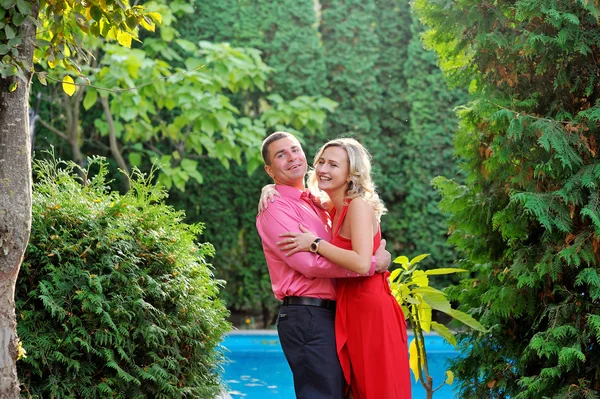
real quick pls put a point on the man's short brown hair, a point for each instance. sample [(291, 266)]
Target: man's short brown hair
[(264, 149)]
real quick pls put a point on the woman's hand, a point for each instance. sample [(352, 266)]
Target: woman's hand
[(296, 242), (267, 194)]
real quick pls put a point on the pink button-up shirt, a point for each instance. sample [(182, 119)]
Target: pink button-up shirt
[(303, 273)]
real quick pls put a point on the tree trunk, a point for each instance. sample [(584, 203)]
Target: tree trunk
[(15, 203)]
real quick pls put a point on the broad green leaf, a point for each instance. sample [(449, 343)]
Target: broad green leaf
[(24, 7), (91, 96), (124, 38), (444, 332), (403, 260), (155, 16), (6, 4), (327, 104), (467, 320), (9, 31), (135, 158), (425, 316), (96, 12), (68, 85), (186, 45), (395, 273), (276, 98), (418, 258), (420, 278), (447, 270)]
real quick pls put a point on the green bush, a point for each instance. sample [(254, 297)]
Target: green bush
[(115, 299)]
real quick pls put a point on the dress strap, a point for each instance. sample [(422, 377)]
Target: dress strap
[(342, 216)]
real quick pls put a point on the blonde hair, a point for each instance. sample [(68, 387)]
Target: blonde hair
[(359, 162)]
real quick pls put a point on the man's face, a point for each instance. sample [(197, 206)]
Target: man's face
[(288, 163)]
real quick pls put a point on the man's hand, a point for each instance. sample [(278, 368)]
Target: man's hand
[(383, 258)]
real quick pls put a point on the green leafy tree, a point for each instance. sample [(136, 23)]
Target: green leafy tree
[(528, 217), (115, 297), (174, 107), (68, 23)]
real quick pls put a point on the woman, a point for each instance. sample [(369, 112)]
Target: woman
[(370, 327)]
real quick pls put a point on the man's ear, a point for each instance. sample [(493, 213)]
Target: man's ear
[(269, 172)]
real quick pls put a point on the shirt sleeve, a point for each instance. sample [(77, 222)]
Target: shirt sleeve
[(280, 218)]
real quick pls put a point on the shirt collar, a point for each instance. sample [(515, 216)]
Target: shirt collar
[(289, 191)]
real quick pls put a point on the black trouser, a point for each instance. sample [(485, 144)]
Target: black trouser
[(308, 340)]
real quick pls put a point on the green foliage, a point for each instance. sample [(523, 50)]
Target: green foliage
[(527, 219), (64, 28), (115, 298), (286, 34)]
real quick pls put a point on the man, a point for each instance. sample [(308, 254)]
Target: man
[(303, 281)]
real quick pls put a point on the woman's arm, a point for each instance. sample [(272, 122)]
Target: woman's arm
[(360, 217), (267, 194)]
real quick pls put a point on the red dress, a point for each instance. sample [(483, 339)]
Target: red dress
[(370, 332)]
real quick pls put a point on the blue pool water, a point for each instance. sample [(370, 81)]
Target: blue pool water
[(257, 368)]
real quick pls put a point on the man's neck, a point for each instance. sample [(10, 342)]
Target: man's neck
[(299, 186)]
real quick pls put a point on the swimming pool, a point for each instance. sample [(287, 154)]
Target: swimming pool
[(257, 368)]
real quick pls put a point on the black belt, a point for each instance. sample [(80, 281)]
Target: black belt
[(308, 301)]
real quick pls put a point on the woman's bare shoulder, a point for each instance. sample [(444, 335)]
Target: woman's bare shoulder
[(360, 205)]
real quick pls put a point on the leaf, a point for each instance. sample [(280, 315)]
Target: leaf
[(24, 7), (6, 4), (10, 33), (327, 104), (449, 377), (418, 258), (68, 85), (420, 278), (186, 45), (276, 98), (42, 77), (135, 158), (403, 260), (395, 273), (90, 98), (446, 270), (155, 16), (148, 23), (425, 316), (467, 320), (124, 38), (96, 12), (414, 358), (444, 332), (13, 86)]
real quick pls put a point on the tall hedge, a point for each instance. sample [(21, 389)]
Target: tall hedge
[(286, 34), (528, 218), (115, 298), (428, 152)]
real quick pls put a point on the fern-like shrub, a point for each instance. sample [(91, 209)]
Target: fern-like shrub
[(115, 298)]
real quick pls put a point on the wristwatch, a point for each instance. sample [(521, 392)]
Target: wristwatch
[(314, 247)]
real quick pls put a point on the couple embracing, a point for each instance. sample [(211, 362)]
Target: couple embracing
[(341, 330)]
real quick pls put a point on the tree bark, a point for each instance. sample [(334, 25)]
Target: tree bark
[(15, 203), (114, 145)]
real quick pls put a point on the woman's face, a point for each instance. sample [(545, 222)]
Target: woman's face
[(333, 170)]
